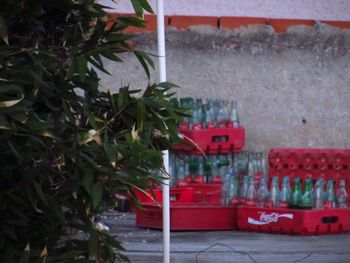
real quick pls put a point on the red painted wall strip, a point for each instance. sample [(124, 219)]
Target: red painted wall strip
[(281, 25), (185, 22), (236, 22)]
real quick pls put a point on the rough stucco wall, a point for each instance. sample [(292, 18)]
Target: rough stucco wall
[(293, 89), (303, 9)]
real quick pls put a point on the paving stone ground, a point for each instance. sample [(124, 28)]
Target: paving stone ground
[(145, 245)]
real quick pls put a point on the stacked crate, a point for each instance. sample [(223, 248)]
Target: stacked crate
[(330, 164), (195, 205)]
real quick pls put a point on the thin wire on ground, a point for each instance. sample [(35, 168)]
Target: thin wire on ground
[(227, 246)]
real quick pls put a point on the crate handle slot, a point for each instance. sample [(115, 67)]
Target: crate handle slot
[(220, 138), (174, 197), (329, 219)]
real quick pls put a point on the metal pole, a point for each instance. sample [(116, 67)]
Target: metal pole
[(162, 78)]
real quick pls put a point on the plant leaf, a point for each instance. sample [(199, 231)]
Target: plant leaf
[(145, 5), (96, 195), (82, 67), (137, 7), (3, 31), (25, 255), (40, 192), (109, 150)]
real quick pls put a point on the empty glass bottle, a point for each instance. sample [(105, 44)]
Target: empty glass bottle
[(208, 173), (200, 166), (181, 175), (263, 195), (286, 193), (209, 119), (296, 194), (329, 201), (274, 192), (342, 195), (233, 121), (251, 193), (307, 199), (244, 190), (230, 191), (319, 195), (222, 116)]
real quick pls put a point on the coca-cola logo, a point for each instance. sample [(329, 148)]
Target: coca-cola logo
[(268, 218)]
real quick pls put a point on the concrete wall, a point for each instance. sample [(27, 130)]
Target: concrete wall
[(304, 9), (293, 89)]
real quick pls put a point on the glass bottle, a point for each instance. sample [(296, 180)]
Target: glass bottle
[(223, 165), (234, 188), (181, 175), (286, 181), (208, 173), (251, 193), (233, 121), (274, 192), (185, 123), (342, 195), (188, 174), (222, 116), (286, 193), (263, 195), (209, 119), (200, 171), (306, 199), (329, 201), (224, 189), (244, 190), (319, 195), (215, 166), (296, 194)]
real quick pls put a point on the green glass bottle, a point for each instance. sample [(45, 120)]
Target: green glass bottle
[(208, 172), (307, 199), (296, 194)]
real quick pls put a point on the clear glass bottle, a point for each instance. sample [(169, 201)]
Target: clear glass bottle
[(222, 116), (244, 190), (342, 195), (330, 201), (274, 192), (263, 195), (286, 193), (234, 189), (188, 177), (319, 195), (233, 121), (251, 193), (210, 119), (200, 173)]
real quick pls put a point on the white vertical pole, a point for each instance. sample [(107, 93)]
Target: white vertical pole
[(162, 78)]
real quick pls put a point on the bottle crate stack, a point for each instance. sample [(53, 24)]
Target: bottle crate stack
[(290, 191), (307, 194), (213, 130)]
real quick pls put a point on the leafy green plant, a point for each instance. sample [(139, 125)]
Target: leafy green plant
[(66, 146)]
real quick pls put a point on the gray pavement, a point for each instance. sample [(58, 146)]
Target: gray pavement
[(145, 245)]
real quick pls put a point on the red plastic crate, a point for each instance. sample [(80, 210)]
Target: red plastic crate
[(188, 216), (178, 194), (293, 221), (212, 141), (206, 193), (192, 207), (328, 163)]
